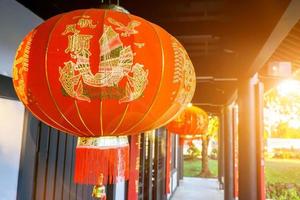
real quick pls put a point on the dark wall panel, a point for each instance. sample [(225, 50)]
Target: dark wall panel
[(68, 178), (6, 88), (27, 172), (42, 163), (47, 164)]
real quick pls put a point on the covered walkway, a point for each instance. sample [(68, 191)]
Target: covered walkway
[(198, 189)]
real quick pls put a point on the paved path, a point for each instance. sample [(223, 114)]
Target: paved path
[(198, 189)]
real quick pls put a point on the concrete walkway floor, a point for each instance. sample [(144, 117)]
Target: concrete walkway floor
[(198, 189)]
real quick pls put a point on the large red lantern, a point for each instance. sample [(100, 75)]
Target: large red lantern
[(102, 73), (192, 121)]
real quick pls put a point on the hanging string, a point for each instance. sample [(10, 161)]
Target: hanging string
[(110, 2)]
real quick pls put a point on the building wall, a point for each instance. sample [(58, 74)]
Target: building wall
[(11, 120), (15, 22)]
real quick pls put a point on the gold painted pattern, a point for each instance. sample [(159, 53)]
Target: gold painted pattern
[(126, 30), (85, 23), (159, 86), (103, 142), (47, 80), (184, 74), (20, 67), (116, 63)]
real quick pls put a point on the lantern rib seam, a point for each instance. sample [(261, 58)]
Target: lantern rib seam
[(39, 108), (127, 106), (75, 101), (160, 83), (47, 78), (101, 108), (81, 119)]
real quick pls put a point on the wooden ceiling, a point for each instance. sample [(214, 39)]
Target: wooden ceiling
[(222, 37), (289, 49)]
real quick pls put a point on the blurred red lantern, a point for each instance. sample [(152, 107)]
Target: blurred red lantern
[(192, 121), (102, 73)]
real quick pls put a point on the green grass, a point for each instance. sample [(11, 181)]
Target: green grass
[(192, 168), (282, 171), (276, 170)]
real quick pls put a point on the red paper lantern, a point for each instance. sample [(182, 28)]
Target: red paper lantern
[(102, 73), (192, 121)]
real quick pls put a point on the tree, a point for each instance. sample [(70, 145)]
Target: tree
[(193, 151), (282, 111), (212, 132)]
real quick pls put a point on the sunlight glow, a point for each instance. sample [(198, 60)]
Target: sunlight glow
[(294, 123), (288, 87), (189, 105)]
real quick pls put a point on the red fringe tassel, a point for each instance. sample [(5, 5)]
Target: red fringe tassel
[(91, 162)]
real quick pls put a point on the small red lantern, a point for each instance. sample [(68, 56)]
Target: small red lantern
[(102, 73), (192, 121)]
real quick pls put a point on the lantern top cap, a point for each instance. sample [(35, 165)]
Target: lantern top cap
[(115, 8)]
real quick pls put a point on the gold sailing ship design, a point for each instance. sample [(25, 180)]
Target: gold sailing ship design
[(116, 63)]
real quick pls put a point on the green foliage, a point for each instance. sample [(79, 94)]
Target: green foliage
[(193, 151), (192, 168), (283, 153), (213, 126), (285, 131), (282, 171), (283, 179), (279, 191), (282, 114), (214, 154)]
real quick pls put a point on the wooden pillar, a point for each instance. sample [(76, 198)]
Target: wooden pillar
[(248, 185), (148, 183), (228, 153), (180, 162), (221, 150), (260, 142)]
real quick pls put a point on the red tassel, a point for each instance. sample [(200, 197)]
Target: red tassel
[(90, 162)]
